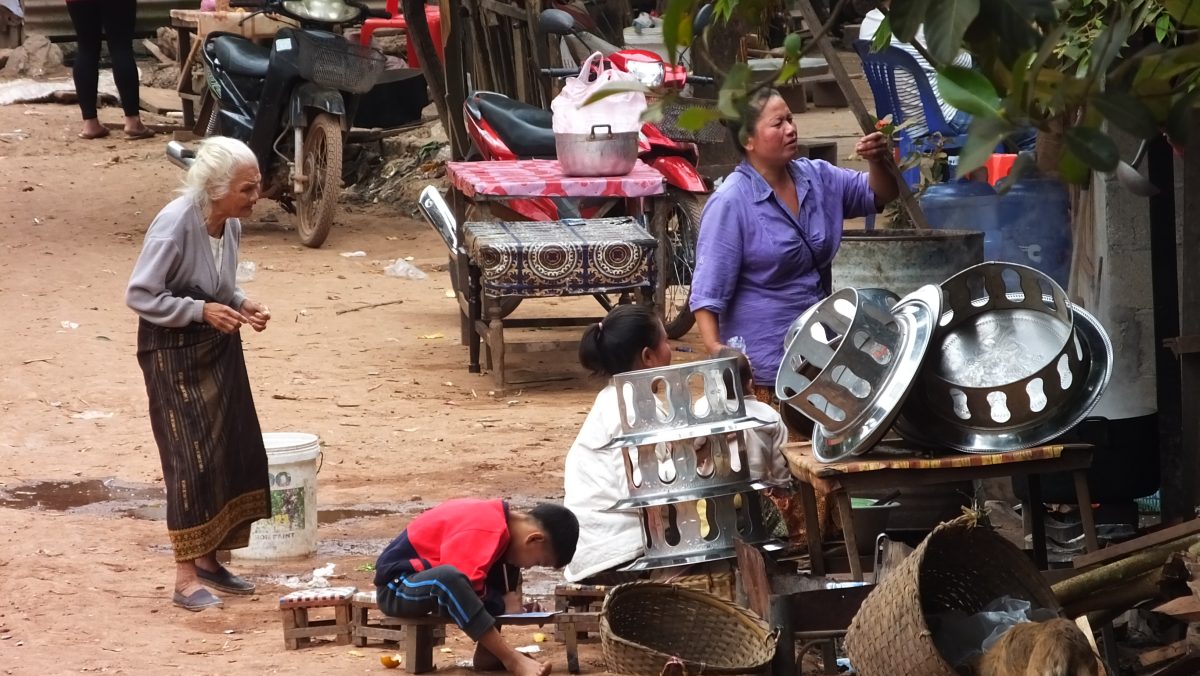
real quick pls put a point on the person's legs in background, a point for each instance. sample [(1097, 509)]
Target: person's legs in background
[(119, 17), (86, 17)]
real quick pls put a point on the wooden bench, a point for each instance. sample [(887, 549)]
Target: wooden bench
[(578, 607)]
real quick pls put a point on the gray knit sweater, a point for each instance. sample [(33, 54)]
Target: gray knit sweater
[(176, 258)]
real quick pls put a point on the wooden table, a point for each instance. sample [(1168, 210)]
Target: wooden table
[(896, 465), (538, 181)]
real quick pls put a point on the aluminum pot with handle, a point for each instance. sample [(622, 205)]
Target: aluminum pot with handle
[(597, 153)]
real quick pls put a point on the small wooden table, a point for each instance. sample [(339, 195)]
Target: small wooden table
[(896, 464), (540, 181)]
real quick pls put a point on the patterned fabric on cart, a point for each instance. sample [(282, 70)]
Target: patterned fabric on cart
[(561, 258)]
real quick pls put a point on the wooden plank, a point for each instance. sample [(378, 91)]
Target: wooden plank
[(864, 116), (159, 101), (1158, 656), (1154, 539), (1188, 666), (504, 9), (1184, 609)]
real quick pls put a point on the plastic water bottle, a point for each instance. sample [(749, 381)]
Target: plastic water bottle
[(738, 343)]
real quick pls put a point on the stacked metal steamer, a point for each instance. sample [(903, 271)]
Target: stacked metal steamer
[(994, 359), (685, 461)]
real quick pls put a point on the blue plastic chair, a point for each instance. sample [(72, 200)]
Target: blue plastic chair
[(880, 69)]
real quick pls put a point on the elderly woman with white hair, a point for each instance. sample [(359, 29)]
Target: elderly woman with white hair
[(184, 290)]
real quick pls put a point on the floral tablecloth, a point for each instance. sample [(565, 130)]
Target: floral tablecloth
[(545, 178)]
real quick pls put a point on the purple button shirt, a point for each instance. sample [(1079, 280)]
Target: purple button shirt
[(758, 267)]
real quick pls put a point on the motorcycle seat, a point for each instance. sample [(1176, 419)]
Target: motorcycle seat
[(240, 56), (525, 129)]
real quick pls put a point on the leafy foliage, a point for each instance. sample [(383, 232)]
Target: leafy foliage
[(1133, 64)]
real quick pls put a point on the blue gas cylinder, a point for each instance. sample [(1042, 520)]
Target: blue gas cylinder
[(1035, 219), (964, 205)]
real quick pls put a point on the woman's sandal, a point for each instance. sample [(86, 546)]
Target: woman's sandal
[(196, 601), (223, 580), (143, 133), (89, 137)]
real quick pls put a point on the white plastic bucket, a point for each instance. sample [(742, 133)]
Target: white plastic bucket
[(291, 532)]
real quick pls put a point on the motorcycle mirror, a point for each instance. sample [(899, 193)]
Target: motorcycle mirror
[(703, 19), (556, 22)]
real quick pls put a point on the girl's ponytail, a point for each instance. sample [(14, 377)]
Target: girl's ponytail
[(615, 345)]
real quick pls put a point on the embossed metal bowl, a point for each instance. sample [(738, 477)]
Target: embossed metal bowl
[(1006, 349), (1013, 364), (918, 424), (852, 363)]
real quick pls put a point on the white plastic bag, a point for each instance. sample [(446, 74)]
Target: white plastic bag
[(622, 111)]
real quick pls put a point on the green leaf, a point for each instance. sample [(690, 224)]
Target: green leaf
[(907, 17), (787, 72), (727, 106), (947, 22), (616, 88), (696, 118), (1072, 170), (677, 12), (969, 91), (1093, 147), (654, 112), (1186, 12), (1108, 45), (1127, 113), (1162, 27), (792, 45), (984, 135), (883, 36)]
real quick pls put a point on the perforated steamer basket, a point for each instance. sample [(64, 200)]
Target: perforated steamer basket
[(1014, 364), (852, 362), (667, 415)]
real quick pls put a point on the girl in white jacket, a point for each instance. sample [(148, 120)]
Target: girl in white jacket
[(630, 338)]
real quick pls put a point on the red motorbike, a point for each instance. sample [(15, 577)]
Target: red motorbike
[(501, 128)]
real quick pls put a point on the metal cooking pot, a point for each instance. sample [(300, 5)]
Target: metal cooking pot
[(599, 153)]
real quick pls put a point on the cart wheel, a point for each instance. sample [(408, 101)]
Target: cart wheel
[(323, 167), (675, 221)]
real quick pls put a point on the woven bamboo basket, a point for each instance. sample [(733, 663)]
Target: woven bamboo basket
[(720, 584), (958, 567), (645, 624)]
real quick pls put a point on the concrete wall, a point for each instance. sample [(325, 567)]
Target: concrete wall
[(1125, 302)]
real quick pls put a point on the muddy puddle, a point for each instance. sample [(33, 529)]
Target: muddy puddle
[(112, 497)]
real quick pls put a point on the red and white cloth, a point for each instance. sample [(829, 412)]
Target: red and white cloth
[(545, 178)]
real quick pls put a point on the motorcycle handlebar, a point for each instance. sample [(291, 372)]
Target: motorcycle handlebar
[(560, 72), (701, 79)]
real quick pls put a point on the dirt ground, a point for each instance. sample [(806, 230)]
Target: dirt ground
[(85, 567)]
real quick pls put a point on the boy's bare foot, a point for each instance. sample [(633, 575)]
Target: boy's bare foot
[(527, 666)]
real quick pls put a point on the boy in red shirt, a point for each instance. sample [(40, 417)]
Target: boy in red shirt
[(463, 557)]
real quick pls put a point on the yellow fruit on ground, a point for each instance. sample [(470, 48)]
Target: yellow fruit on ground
[(539, 637), (390, 661)]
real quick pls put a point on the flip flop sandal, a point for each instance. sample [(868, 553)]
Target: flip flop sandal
[(197, 600), (100, 134), (143, 133), (225, 581)]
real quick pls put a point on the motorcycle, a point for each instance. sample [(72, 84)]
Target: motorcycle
[(501, 128), (292, 103)]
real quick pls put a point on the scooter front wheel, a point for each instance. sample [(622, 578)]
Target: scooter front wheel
[(322, 167)]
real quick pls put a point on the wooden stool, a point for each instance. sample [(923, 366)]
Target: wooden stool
[(299, 629), (369, 623), (579, 613), (419, 636)]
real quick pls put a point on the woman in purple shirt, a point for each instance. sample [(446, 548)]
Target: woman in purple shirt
[(768, 235)]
